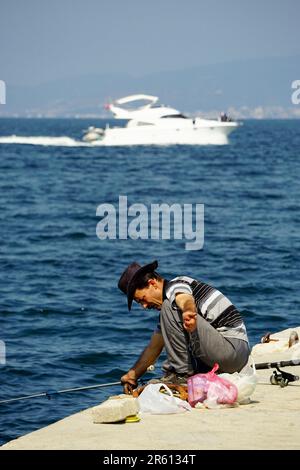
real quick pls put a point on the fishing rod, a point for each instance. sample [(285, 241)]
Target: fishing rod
[(50, 393), (279, 377), (270, 365), (284, 378)]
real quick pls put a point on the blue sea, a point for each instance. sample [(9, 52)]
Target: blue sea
[(63, 320)]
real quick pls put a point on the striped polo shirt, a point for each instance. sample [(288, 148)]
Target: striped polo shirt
[(211, 304)]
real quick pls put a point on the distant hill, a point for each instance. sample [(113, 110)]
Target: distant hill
[(257, 88)]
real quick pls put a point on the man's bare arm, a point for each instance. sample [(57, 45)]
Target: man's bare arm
[(146, 359), (186, 303)]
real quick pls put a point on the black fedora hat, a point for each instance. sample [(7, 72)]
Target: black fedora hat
[(128, 280)]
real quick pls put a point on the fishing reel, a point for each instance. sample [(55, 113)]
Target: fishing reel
[(282, 378)]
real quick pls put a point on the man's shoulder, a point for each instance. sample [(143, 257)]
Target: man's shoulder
[(191, 281), (180, 284)]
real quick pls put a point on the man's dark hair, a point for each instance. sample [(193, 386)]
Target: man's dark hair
[(142, 282)]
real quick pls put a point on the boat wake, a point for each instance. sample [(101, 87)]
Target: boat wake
[(63, 141)]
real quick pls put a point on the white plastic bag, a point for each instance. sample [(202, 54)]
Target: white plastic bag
[(151, 400), (245, 381)]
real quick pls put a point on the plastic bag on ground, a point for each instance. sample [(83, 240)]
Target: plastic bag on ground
[(245, 381), (151, 400), (211, 390)]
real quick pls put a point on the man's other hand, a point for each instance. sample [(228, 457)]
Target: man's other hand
[(189, 320)]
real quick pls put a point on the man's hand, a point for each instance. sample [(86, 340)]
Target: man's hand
[(187, 305), (189, 320), (129, 382)]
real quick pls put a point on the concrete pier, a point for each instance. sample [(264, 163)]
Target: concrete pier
[(270, 421)]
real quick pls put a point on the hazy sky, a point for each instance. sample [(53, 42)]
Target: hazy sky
[(42, 40)]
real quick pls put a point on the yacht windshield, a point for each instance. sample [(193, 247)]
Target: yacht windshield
[(182, 116)]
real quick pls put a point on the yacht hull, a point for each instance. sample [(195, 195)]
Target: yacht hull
[(149, 135)]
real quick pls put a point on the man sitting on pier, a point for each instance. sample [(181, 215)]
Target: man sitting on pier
[(198, 326)]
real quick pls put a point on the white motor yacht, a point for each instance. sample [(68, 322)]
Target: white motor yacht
[(154, 124)]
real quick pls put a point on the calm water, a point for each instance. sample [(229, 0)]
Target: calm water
[(63, 320)]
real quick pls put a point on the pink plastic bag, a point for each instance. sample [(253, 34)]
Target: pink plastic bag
[(211, 388)]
